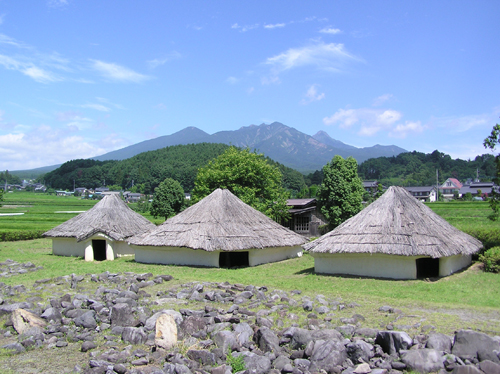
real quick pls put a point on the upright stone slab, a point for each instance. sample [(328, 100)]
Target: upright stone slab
[(166, 331)]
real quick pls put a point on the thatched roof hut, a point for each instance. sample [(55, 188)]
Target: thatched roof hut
[(395, 226), (220, 223), (110, 220)]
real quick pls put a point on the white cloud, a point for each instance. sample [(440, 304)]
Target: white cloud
[(118, 73), (244, 28), (270, 80), (330, 30), (274, 26), (465, 123), (174, 55), (382, 99), (402, 130), (312, 95), (330, 57), (372, 121), (99, 107), (42, 147), (232, 80), (28, 69), (57, 3)]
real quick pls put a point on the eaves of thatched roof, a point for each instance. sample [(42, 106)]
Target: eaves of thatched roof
[(110, 216), (222, 222), (396, 224)]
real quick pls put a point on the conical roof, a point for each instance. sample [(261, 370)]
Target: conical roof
[(223, 222), (110, 216), (396, 224)]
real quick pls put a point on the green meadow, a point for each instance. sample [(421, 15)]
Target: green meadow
[(470, 298)]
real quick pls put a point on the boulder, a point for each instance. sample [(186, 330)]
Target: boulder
[(439, 342), (226, 340), (393, 341), (254, 363), (470, 344), (466, 369), (267, 340), (122, 315), (360, 351), (423, 360), (86, 320), (489, 367), (326, 355), (243, 333), (191, 325), (134, 335), (202, 356), (166, 331), (23, 320)]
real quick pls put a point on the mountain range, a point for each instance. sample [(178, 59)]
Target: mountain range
[(281, 143)]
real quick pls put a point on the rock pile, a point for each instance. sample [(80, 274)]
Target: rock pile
[(221, 328), (9, 268)]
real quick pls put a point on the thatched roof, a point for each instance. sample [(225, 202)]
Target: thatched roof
[(110, 216), (396, 224), (223, 222)]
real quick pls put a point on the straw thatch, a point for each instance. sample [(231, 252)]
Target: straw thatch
[(396, 224), (110, 216), (222, 222)]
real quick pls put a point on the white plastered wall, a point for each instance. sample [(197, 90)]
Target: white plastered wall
[(363, 264), (186, 256), (449, 265), (175, 256), (266, 255), (68, 247)]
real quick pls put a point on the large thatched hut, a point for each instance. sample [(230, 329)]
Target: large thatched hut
[(99, 233), (218, 231), (396, 237)]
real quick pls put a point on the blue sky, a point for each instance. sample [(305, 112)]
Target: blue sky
[(82, 78)]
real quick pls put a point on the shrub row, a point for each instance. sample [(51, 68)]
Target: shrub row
[(489, 237), (11, 236), (491, 260)]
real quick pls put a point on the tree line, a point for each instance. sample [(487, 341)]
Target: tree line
[(144, 172)]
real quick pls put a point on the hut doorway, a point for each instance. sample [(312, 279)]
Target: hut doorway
[(233, 259), (99, 248), (427, 267)]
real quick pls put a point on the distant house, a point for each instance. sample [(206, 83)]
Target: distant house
[(450, 187), (132, 197), (101, 189), (305, 217), (370, 186), (64, 193), (474, 187), (424, 194)]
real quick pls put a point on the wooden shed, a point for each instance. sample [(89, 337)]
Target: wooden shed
[(99, 233), (396, 237), (218, 231)]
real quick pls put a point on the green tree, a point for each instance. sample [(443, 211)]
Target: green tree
[(168, 199), (341, 192), (491, 143), (1, 196), (249, 176)]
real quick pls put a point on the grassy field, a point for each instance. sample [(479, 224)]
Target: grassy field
[(467, 299)]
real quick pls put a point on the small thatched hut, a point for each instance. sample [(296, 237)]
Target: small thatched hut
[(99, 233), (218, 231), (396, 237)]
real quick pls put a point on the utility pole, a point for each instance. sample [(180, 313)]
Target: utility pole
[(437, 184)]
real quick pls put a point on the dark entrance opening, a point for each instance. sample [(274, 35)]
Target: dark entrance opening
[(99, 247), (233, 259), (427, 267)]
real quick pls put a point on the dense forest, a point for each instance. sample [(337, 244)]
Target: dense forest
[(9, 178), (419, 169), (147, 170)]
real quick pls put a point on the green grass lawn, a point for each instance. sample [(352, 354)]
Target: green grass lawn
[(466, 215)]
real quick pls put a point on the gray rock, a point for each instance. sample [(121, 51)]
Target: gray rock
[(470, 344), (51, 314), (281, 361), (14, 348), (255, 364), (202, 356), (440, 342), (360, 351), (423, 360), (191, 325), (307, 305), (225, 340), (86, 320), (267, 340), (326, 355), (302, 364), (87, 346), (122, 315), (489, 367), (466, 369), (243, 333), (9, 308), (151, 321), (134, 335), (393, 341)]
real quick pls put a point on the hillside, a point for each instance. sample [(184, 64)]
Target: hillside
[(148, 169)]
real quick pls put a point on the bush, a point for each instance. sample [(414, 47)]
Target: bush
[(11, 236), (491, 260), (489, 237)]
